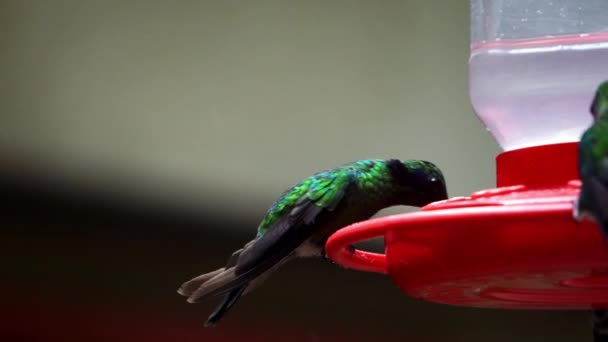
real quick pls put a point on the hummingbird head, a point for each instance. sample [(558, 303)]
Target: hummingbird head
[(599, 105), (420, 182)]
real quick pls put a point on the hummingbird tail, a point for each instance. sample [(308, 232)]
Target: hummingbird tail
[(599, 319), (248, 267), (188, 288), (224, 282), (229, 299)]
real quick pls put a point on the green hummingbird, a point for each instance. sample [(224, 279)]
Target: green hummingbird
[(300, 221), (592, 201)]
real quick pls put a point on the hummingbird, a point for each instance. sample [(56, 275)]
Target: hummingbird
[(303, 217), (592, 201)]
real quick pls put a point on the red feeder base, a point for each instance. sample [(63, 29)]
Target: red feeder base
[(516, 246)]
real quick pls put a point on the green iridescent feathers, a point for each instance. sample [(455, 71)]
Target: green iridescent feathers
[(593, 164), (325, 189), (371, 176), (593, 149), (595, 141)]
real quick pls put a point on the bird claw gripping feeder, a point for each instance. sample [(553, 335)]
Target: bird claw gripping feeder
[(534, 67)]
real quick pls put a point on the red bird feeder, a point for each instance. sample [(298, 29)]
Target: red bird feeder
[(515, 246)]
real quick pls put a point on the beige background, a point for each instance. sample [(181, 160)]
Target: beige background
[(224, 104)]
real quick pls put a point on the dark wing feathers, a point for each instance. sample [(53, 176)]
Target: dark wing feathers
[(280, 241), (325, 192), (268, 251), (289, 232), (229, 300)]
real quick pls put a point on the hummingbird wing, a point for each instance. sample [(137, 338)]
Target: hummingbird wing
[(323, 192)]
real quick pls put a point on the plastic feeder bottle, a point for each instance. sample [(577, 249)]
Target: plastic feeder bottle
[(534, 67)]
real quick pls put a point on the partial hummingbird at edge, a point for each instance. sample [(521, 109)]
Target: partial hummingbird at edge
[(300, 221), (592, 201), (593, 164)]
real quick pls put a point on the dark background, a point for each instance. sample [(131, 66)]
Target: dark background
[(85, 266), (142, 141)]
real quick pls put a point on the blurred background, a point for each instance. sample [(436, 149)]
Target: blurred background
[(141, 142)]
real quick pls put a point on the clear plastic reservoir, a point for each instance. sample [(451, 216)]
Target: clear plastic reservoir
[(534, 67)]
